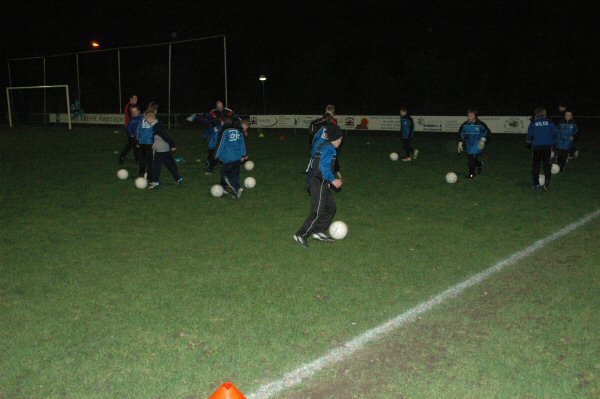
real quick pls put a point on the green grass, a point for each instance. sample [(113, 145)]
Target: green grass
[(529, 332), (110, 291)]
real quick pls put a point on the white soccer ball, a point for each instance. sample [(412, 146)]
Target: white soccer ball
[(394, 156), (451, 177), (249, 182), (555, 168), (122, 174), (338, 230), (141, 183), (542, 179), (248, 165), (217, 190)]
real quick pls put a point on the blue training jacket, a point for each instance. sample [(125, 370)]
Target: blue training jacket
[(471, 133), (232, 147), (133, 124), (408, 127), (541, 131), (566, 130), (328, 155), (212, 136), (145, 132), (319, 138)]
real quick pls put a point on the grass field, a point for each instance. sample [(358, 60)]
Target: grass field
[(110, 291)]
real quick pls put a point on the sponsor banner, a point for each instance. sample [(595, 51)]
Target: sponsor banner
[(423, 123), (99, 119)]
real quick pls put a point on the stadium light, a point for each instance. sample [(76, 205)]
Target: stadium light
[(262, 79), (95, 44)]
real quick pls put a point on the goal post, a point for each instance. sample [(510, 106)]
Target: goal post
[(43, 87)]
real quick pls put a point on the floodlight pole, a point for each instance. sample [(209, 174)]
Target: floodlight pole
[(169, 97), (78, 85), (119, 74), (262, 79), (225, 67), (44, 84)]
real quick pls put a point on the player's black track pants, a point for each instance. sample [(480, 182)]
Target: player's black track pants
[(541, 158), (473, 163), (146, 161), (165, 158), (230, 176), (130, 146), (322, 210)]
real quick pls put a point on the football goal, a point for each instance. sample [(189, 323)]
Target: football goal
[(19, 96)]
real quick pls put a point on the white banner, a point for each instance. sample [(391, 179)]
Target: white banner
[(99, 119), (423, 123)]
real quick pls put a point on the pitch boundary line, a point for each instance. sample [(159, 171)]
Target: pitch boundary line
[(344, 351)]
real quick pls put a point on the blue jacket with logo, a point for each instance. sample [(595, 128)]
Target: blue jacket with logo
[(566, 131), (471, 133), (232, 147), (541, 131), (145, 132), (408, 127), (133, 124)]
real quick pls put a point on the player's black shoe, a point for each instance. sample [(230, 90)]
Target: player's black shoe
[(322, 237), (301, 241)]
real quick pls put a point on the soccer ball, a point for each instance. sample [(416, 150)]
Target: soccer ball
[(394, 156), (122, 174), (141, 183), (451, 177), (542, 180), (249, 182), (217, 190), (338, 230), (555, 168), (249, 165)]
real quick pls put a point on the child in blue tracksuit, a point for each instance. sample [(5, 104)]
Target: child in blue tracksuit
[(231, 151), (472, 136), (323, 206), (407, 126), (541, 137), (163, 148), (144, 141), (567, 130)]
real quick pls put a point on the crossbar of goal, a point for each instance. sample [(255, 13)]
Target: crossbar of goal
[(8, 99)]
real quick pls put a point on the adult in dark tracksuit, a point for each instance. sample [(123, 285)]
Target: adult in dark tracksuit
[(567, 135), (407, 125), (472, 136), (541, 137), (130, 113), (323, 206)]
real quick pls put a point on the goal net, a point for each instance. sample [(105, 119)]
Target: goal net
[(36, 104)]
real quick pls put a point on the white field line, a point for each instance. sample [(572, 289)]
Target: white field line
[(340, 353)]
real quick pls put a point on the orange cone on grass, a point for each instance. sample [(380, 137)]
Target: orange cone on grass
[(227, 391), (282, 137)]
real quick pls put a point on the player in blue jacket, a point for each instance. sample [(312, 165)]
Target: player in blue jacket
[(407, 126), (144, 141), (472, 136), (232, 152), (541, 137), (323, 206), (567, 130)]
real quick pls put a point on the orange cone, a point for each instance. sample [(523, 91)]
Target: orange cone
[(227, 391), (282, 137)]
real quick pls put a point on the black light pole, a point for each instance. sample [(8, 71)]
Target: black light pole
[(262, 79)]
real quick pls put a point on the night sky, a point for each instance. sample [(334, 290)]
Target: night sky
[(364, 57)]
